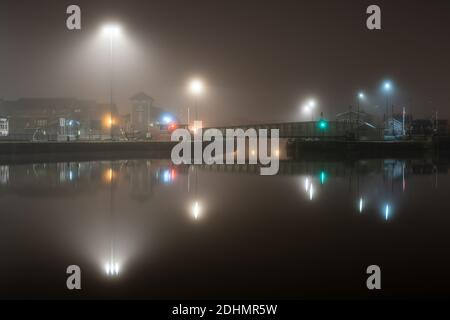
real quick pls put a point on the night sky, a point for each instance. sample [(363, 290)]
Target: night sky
[(259, 59)]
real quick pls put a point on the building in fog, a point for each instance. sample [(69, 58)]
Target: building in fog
[(145, 115), (360, 125), (421, 127), (4, 127), (428, 127), (56, 119), (141, 109), (441, 126), (398, 124)]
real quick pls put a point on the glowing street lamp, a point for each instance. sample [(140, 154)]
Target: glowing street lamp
[(309, 107), (387, 87), (109, 121), (308, 110), (312, 103), (167, 119), (112, 31), (196, 89), (361, 97)]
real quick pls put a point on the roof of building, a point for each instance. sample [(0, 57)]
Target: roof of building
[(141, 96), (352, 112), (45, 107)]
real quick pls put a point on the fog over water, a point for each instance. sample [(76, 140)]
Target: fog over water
[(134, 228)]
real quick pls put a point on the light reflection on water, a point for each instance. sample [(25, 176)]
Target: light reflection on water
[(148, 223)]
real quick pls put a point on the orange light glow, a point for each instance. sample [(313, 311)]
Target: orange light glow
[(173, 174), (109, 121), (108, 175)]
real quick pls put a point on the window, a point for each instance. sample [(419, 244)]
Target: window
[(41, 123)]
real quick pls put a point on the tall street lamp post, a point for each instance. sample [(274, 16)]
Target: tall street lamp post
[(112, 31), (360, 97), (196, 88), (308, 108), (387, 89)]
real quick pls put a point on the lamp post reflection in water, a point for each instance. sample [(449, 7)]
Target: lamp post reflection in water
[(435, 168), (196, 208), (112, 267), (392, 171), (403, 177), (309, 188), (311, 191), (358, 190)]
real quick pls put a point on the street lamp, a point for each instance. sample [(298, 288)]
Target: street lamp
[(112, 31), (196, 89), (311, 105), (387, 86), (361, 96), (309, 108)]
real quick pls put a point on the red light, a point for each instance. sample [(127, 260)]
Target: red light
[(173, 174), (172, 126)]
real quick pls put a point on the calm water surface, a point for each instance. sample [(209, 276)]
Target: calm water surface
[(147, 229)]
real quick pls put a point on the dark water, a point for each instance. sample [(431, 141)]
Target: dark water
[(249, 236)]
